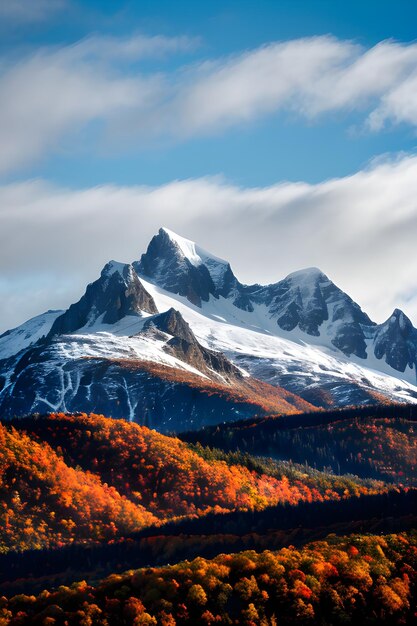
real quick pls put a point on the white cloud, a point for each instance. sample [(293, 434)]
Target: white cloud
[(55, 92), (360, 230), (310, 77), (259, 82), (136, 47)]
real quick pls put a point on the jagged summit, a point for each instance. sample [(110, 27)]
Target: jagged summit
[(401, 319), (398, 322), (116, 266), (193, 252), (166, 264), (172, 323), (117, 293), (396, 341), (181, 266), (307, 300)]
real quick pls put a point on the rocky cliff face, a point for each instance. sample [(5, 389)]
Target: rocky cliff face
[(166, 264), (395, 341), (184, 346), (180, 266), (117, 293), (310, 301)]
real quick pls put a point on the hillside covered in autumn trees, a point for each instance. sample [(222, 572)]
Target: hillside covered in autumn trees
[(371, 442), (86, 478), (352, 580), (84, 495)]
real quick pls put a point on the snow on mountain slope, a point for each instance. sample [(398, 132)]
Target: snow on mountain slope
[(150, 369), (303, 334), (17, 339), (162, 338), (192, 252), (118, 346), (114, 353), (306, 306), (181, 266), (195, 254), (117, 293), (309, 301), (253, 341)]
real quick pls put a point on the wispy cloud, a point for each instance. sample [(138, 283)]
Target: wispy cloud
[(309, 77), (359, 229), (137, 47), (30, 10), (57, 91)]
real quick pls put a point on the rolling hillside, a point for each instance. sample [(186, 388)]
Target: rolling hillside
[(86, 478)]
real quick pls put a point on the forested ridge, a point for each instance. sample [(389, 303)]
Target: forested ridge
[(371, 442), (68, 479), (367, 580), (84, 496)]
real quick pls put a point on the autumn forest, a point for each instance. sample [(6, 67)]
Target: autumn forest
[(306, 519)]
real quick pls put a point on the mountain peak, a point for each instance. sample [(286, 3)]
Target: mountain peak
[(117, 293), (308, 300), (185, 247), (181, 266), (114, 266), (399, 317), (396, 341), (308, 274), (188, 249)]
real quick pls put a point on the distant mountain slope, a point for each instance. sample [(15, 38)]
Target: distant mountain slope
[(307, 300), (25, 335)]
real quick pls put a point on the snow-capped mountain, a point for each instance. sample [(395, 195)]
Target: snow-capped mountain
[(307, 300), (176, 341), (114, 353), (117, 293), (305, 305), (395, 341), (181, 266)]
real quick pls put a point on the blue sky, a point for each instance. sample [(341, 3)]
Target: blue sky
[(104, 103), (287, 145)]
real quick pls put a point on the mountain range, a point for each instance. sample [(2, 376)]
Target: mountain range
[(175, 341)]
